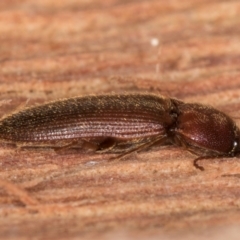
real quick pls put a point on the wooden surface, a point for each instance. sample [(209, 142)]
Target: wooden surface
[(54, 49)]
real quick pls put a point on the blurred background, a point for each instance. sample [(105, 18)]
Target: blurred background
[(49, 49)]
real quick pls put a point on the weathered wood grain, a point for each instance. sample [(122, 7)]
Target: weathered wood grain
[(57, 49)]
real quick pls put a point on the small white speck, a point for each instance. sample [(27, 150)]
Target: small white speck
[(91, 163), (154, 42)]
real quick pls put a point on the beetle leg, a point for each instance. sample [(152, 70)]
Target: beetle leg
[(196, 165), (84, 144), (151, 142), (106, 145)]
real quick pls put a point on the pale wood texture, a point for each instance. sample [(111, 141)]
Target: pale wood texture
[(51, 49)]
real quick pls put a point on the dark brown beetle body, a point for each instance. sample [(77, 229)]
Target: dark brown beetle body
[(125, 123), (110, 116)]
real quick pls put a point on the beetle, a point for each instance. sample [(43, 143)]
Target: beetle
[(124, 124)]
